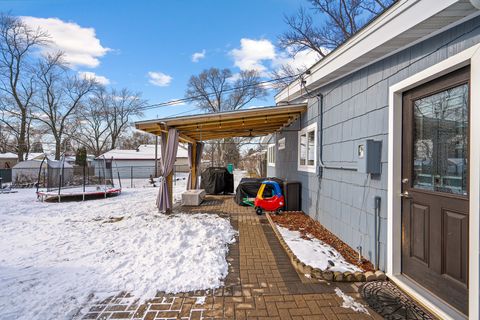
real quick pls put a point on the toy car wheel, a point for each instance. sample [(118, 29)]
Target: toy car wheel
[(279, 211), (259, 211)]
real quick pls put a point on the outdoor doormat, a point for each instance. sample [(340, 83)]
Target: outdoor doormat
[(391, 302), (310, 229), (211, 202)]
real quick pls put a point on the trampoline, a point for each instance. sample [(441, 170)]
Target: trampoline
[(60, 181)]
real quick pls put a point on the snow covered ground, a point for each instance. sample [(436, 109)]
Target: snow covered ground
[(316, 253), (57, 258), (350, 303)]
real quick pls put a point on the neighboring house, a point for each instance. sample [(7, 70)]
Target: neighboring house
[(140, 163), (410, 81), (8, 160), (73, 159)]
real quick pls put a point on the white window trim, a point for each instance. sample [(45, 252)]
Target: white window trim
[(281, 144), (271, 146), (470, 57), (305, 167)]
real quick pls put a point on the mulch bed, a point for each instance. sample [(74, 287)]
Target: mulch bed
[(298, 221)]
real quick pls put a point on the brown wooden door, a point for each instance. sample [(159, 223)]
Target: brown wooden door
[(435, 187)]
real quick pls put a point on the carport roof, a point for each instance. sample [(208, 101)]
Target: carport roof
[(240, 123)]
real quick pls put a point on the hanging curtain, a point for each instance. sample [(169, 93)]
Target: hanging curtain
[(190, 165), (169, 155), (198, 159), (163, 138)]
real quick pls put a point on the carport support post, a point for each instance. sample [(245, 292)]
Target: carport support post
[(156, 156), (193, 172)]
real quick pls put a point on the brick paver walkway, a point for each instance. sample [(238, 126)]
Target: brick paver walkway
[(261, 284)]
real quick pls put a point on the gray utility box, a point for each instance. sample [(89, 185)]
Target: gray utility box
[(369, 156)]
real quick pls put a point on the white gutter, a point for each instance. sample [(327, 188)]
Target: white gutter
[(378, 39)]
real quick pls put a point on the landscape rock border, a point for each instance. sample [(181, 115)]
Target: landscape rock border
[(316, 273)]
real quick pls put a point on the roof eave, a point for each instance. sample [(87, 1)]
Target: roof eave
[(401, 26)]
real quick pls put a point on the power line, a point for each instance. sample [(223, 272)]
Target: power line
[(178, 101), (174, 102)]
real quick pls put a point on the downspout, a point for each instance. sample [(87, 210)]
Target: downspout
[(377, 232)]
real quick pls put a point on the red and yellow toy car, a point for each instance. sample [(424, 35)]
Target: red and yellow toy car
[(269, 198)]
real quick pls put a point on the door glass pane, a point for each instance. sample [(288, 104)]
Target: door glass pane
[(440, 141), (311, 148), (303, 149)]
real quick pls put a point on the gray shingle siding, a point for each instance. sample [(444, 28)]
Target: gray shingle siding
[(356, 108)]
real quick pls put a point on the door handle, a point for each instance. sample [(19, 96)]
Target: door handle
[(405, 195)]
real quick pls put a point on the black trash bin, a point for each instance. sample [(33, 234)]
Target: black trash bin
[(216, 180), (292, 191)]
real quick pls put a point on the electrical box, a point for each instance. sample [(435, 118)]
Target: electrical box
[(369, 156)]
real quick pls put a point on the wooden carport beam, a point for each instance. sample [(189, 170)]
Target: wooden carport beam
[(214, 136), (158, 129), (250, 125), (240, 121), (228, 129)]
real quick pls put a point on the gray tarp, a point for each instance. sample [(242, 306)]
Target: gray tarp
[(169, 155)]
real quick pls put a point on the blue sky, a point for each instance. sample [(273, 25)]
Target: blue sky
[(148, 46)]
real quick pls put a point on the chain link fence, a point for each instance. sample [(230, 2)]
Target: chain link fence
[(31, 174)]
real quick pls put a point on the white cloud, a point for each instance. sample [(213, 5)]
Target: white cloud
[(234, 77), (92, 75), (301, 61), (197, 56), (260, 55), (159, 78), (252, 53), (80, 45)]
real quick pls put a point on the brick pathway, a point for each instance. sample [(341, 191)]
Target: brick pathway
[(261, 284)]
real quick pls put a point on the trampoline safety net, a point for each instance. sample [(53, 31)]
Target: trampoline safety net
[(61, 176)]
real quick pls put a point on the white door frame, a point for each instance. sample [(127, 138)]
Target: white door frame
[(470, 57)]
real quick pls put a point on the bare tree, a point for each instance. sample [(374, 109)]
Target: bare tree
[(338, 21), (120, 107), (285, 74), (216, 90), (17, 85), (7, 139), (60, 97), (132, 139), (93, 130)]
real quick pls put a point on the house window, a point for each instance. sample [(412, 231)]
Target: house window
[(271, 155), (307, 154)]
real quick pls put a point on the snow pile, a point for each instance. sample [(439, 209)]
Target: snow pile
[(350, 303), (200, 300), (57, 258), (316, 253)]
